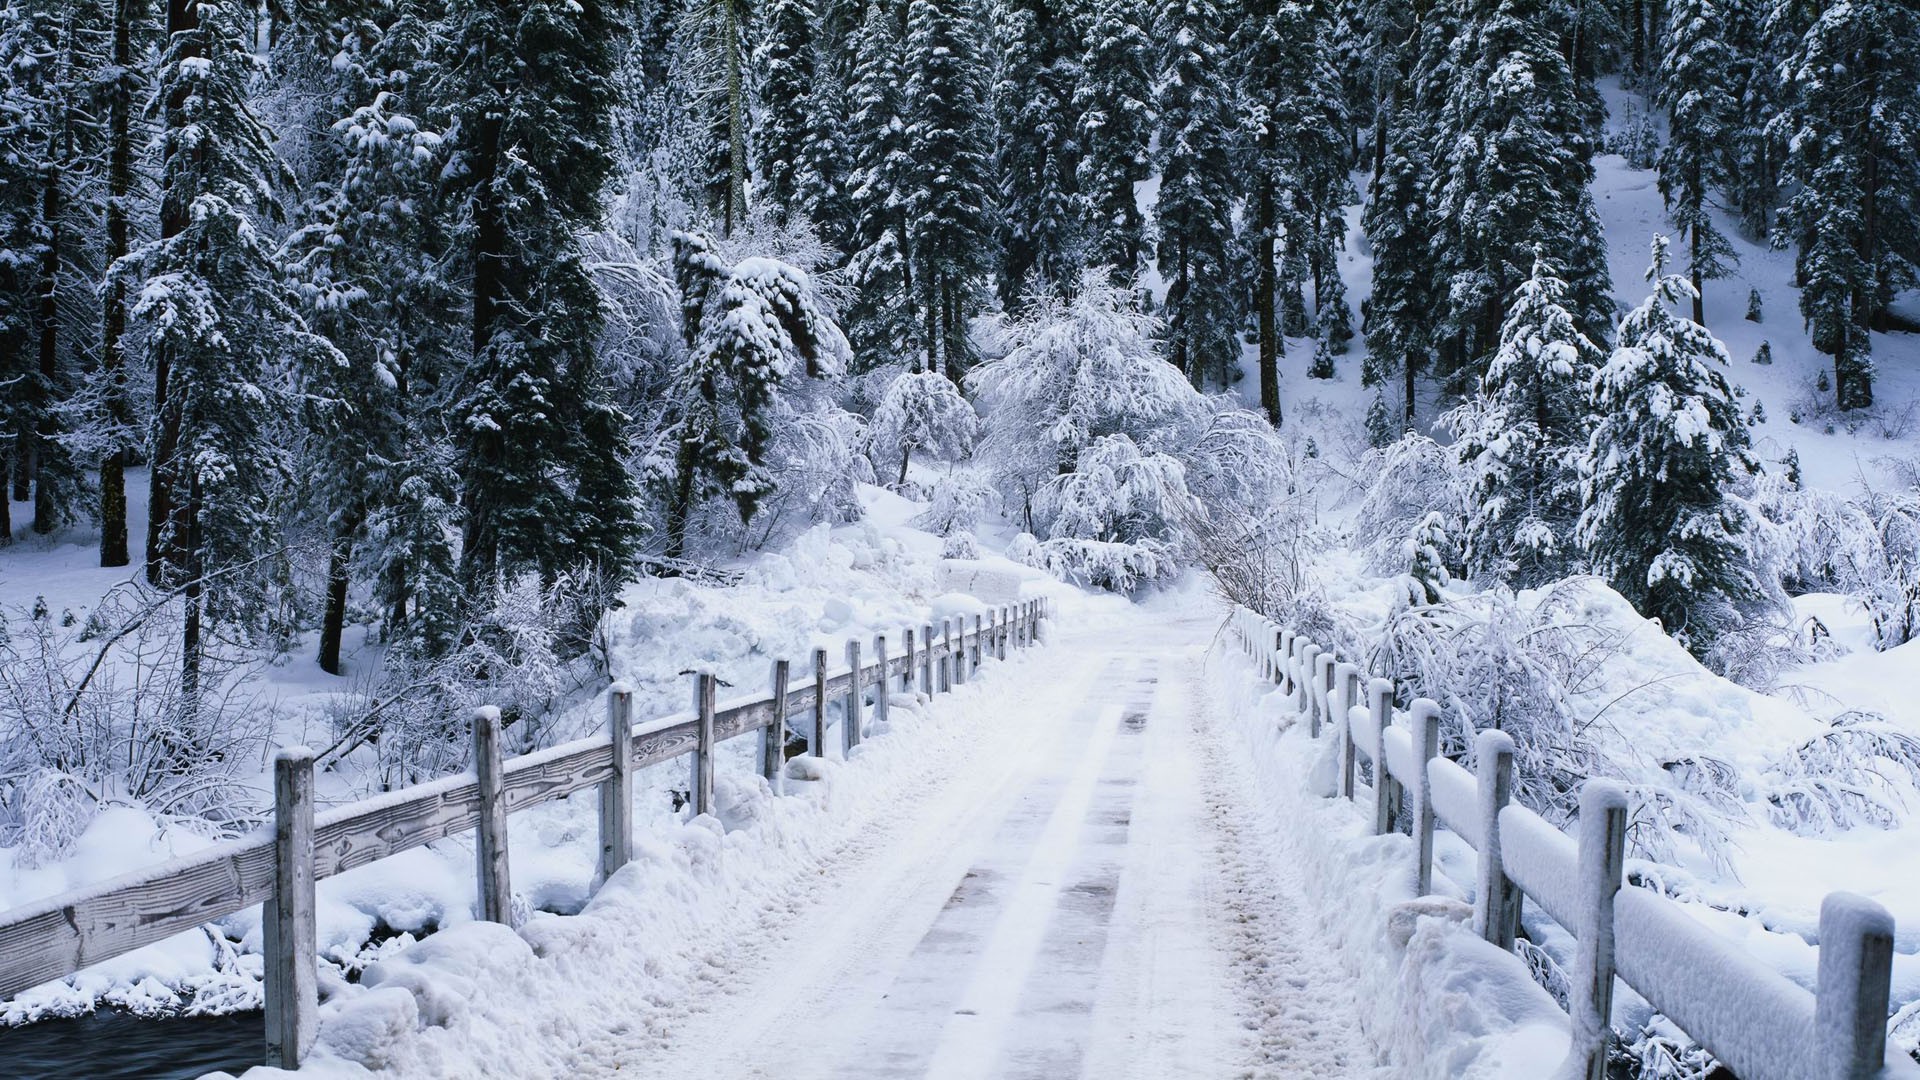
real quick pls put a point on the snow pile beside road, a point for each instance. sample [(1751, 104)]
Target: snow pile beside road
[(1439, 1001)]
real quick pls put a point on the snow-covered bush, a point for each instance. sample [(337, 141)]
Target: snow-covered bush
[(1117, 498), (1429, 551), (1867, 547), (921, 411), (1861, 771), (1409, 478), (955, 500)]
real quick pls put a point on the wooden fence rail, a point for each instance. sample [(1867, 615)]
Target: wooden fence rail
[(1761, 1024), (278, 865)]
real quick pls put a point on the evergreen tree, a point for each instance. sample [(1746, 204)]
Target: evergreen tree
[(1511, 174), (1197, 126), (948, 175), (1521, 441), (1039, 154), (782, 146), (543, 487), (1114, 101), (880, 321), (1852, 127), (714, 57), (223, 327), (1697, 89), (1658, 518), (1427, 555)]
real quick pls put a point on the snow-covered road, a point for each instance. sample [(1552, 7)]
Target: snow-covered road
[(1091, 895)]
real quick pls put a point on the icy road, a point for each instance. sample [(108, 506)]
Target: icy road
[(1087, 892)]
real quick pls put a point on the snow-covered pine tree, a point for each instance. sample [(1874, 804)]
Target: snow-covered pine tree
[(1427, 552), (1659, 519), (1697, 88), (753, 328), (543, 484), (712, 48), (1754, 154), (880, 322), (1197, 134), (1522, 439), (1115, 104), (223, 332), (1852, 128), (1041, 224), (782, 145), (948, 172), (1511, 174), (922, 411), (1296, 147)]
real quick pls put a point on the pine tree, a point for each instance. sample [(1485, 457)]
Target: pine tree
[(1696, 87), (1197, 127), (1511, 174), (1296, 134), (532, 101), (1427, 556), (1521, 441), (1852, 126), (1039, 153), (782, 146), (1114, 100), (880, 321), (948, 175), (1658, 518), (715, 62), (223, 327)]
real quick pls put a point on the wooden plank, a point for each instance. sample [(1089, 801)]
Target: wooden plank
[(289, 982), (821, 691), (490, 848)]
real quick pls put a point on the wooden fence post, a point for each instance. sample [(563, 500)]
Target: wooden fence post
[(1601, 863), (490, 842), (616, 792), (851, 721), (1323, 689), (883, 683), (1000, 634), (1496, 901), (703, 746), (946, 656), (1346, 677), (287, 917), (979, 642), (906, 677), (926, 662), (1385, 804), (961, 673), (1854, 986), (1426, 727), (773, 737), (1309, 663), (819, 703)]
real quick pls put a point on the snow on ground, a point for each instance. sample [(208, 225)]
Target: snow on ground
[(1054, 871)]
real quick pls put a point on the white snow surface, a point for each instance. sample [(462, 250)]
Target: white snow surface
[(1063, 868)]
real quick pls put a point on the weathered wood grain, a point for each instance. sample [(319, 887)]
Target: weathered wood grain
[(616, 791), (490, 848), (773, 737), (851, 720), (820, 692), (702, 789), (290, 983)]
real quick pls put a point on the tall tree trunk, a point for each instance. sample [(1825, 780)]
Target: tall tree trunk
[(480, 552), (191, 645), (1268, 285), (46, 428), (906, 455), (334, 621), (166, 529), (736, 211), (113, 360)]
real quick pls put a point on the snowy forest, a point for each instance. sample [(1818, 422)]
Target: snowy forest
[(365, 361)]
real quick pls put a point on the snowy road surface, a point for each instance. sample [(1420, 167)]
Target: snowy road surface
[(1090, 897)]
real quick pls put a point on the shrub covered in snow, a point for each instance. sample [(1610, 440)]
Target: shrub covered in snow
[(922, 411)]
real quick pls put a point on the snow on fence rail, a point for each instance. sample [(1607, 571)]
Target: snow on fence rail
[(1761, 1024), (278, 866)]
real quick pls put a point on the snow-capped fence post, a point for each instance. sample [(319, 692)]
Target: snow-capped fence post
[(979, 642), (703, 745), (1601, 866), (1496, 901), (490, 841), (616, 791), (1854, 985), (1347, 678), (906, 677), (1000, 633), (1309, 663), (287, 917), (1426, 724), (819, 745), (773, 737), (883, 683), (946, 656), (926, 662), (850, 723), (1323, 691), (1385, 802)]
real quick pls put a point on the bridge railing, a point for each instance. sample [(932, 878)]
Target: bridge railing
[(1759, 1023), (277, 866)]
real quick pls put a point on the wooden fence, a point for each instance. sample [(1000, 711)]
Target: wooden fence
[(278, 866), (1759, 1023)]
